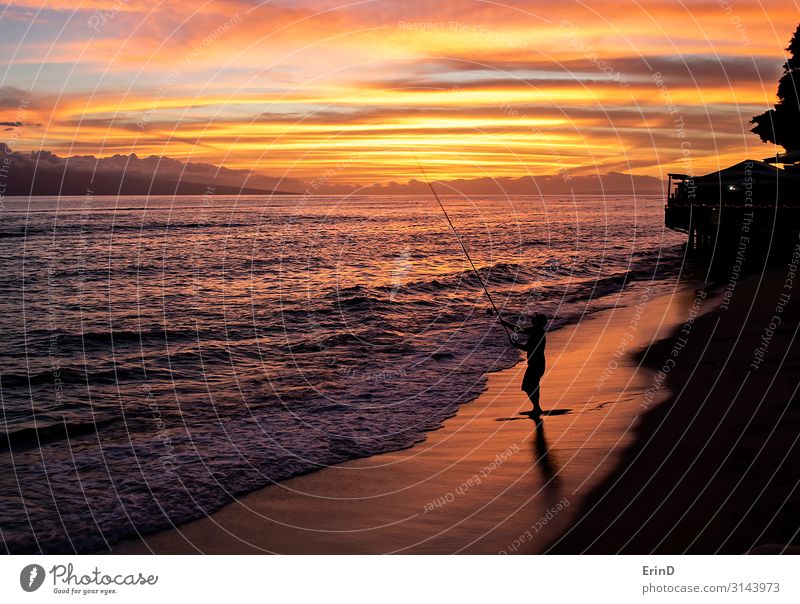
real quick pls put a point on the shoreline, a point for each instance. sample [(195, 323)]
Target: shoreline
[(488, 481), (713, 468)]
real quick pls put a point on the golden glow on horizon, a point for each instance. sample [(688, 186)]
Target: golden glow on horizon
[(475, 89)]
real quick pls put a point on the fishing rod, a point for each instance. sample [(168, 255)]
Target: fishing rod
[(463, 247)]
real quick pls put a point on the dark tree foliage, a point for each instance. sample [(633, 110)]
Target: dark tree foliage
[(781, 125)]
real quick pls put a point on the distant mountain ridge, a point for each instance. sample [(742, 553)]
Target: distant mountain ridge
[(44, 173), (612, 183)]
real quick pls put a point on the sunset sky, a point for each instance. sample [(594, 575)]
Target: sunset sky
[(354, 90)]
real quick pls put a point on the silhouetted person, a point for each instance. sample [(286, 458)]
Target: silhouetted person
[(533, 346)]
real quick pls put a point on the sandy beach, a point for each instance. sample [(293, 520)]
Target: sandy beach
[(712, 469), (489, 481)]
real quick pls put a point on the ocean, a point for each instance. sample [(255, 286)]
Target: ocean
[(162, 355)]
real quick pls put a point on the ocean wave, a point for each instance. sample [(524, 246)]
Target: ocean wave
[(501, 273), (105, 339), (61, 377), (29, 437)]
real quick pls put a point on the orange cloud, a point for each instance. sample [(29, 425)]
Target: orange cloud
[(298, 87)]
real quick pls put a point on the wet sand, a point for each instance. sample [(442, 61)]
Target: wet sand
[(715, 467), (489, 481)]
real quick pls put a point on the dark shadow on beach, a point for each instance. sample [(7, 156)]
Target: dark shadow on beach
[(544, 459), (713, 467), (529, 415)]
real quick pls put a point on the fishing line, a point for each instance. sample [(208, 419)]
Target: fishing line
[(463, 247)]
